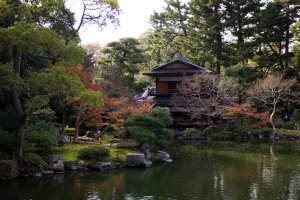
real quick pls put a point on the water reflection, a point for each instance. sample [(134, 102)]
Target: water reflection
[(211, 173)]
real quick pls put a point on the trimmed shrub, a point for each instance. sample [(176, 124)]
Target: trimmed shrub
[(33, 159), (93, 153), (69, 130), (150, 127)]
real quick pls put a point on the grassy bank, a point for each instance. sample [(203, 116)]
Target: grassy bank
[(70, 151)]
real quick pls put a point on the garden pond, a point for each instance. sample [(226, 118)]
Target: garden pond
[(210, 170)]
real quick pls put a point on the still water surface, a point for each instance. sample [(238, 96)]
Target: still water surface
[(210, 172)]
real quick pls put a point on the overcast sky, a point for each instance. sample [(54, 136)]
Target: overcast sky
[(134, 20)]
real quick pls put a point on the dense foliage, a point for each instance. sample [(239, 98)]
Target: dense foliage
[(93, 153), (150, 127)]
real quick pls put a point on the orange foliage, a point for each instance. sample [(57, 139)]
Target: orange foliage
[(235, 110), (85, 77), (121, 108)]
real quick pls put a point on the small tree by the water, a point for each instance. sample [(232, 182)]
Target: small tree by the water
[(150, 127), (273, 90)]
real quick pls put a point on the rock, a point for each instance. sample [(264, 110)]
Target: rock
[(72, 166), (47, 173), (136, 160), (162, 156), (8, 169), (103, 166), (30, 172), (106, 166), (56, 163), (148, 163), (145, 149)]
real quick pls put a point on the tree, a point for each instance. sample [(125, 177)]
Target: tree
[(198, 96), (170, 32), (207, 29), (274, 36), (98, 12), (241, 19), (150, 127), (120, 109), (25, 47), (88, 100), (295, 29), (56, 15), (271, 91), (119, 65), (249, 116)]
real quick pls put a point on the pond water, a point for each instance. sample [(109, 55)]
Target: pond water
[(227, 171)]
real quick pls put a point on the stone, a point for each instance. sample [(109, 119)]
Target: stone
[(30, 172), (103, 166), (47, 173), (72, 166), (148, 163), (136, 160), (56, 163), (162, 156), (145, 149), (8, 169)]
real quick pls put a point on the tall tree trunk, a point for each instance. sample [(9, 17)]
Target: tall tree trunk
[(16, 59), (20, 125), (78, 123), (287, 40), (272, 116)]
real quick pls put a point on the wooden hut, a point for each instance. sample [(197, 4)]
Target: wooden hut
[(167, 77)]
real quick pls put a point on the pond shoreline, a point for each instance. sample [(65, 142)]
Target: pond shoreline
[(61, 166)]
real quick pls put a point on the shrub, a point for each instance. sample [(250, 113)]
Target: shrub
[(69, 130), (35, 160), (44, 136), (93, 153), (150, 127), (108, 138), (43, 140)]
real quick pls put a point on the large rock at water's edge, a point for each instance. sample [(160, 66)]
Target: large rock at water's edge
[(162, 156), (8, 169), (145, 149), (137, 160), (56, 163)]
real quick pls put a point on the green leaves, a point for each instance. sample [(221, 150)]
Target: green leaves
[(150, 127)]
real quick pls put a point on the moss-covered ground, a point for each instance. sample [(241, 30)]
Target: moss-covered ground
[(70, 151)]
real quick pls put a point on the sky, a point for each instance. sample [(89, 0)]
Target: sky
[(134, 20)]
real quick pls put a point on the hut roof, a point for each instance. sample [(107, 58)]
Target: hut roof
[(179, 65)]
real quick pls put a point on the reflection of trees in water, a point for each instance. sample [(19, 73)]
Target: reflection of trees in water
[(93, 186), (294, 186)]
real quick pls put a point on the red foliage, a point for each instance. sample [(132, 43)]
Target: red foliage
[(119, 109), (246, 110), (85, 77)]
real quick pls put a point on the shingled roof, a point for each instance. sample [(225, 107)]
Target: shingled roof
[(162, 69)]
